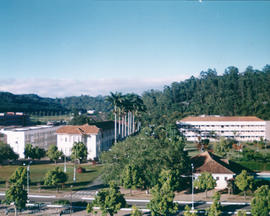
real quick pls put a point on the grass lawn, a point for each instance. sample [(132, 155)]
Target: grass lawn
[(38, 171)]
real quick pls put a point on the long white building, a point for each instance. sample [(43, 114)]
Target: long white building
[(42, 136), (97, 138), (240, 128)]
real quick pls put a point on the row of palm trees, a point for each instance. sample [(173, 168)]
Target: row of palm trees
[(126, 109)]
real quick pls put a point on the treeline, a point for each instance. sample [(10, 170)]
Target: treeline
[(32, 103), (233, 93), (28, 103), (85, 102)]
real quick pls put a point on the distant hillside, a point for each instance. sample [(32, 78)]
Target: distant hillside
[(27, 103), (32, 103), (85, 102), (233, 93)]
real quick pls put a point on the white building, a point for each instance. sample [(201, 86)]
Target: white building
[(241, 128), (97, 138), (42, 136), (222, 170)]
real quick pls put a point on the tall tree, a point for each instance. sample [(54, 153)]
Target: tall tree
[(260, 204), (55, 177), (17, 195), (244, 181), (79, 151), (19, 176), (162, 197), (110, 200), (114, 100), (205, 182), (53, 153), (215, 208)]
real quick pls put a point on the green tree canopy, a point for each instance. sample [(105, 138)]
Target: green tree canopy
[(19, 176), (260, 204), (110, 200), (162, 196), (55, 177), (53, 153), (215, 208), (7, 153), (79, 151), (16, 194), (188, 212), (149, 154), (135, 211), (33, 152), (205, 182), (243, 181)]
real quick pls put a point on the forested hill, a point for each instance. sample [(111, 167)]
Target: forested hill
[(33, 103), (233, 93), (85, 102), (27, 103)]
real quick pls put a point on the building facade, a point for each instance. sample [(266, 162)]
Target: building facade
[(222, 170), (97, 138), (42, 136), (240, 128)]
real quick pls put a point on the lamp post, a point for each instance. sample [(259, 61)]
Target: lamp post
[(70, 209), (192, 167)]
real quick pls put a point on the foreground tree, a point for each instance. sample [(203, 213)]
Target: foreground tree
[(205, 182), (151, 155), (260, 204), (243, 181), (19, 176), (110, 200), (135, 211), (241, 213), (188, 211), (162, 197), (53, 153), (215, 208), (17, 195), (132, 177), (55, 177), (79, 151), (89, 208)]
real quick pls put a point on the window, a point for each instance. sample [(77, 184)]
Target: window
[(217, 178), (225, 178)]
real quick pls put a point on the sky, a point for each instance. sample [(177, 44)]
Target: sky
[(58, 48)]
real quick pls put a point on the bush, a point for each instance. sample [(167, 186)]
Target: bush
[(81, 170)]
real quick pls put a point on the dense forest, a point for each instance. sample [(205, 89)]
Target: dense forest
[(85, 102), (33, 103), (27, 103), (233, 93)]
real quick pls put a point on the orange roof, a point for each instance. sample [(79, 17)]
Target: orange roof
[(78, 129), (207, 162), (221, 118)]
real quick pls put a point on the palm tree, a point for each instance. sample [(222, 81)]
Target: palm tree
[(114, 100)]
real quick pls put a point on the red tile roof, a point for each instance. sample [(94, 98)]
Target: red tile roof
[(78, 129), (221, 118), (208, 162)]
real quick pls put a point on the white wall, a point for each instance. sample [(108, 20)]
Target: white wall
[(221, 179), (16, 141)]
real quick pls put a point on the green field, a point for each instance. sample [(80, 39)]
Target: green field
[(36, 118), (37, 173)]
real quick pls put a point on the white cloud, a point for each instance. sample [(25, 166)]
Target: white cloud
[(65, 87)]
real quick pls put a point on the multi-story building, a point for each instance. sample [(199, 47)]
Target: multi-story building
[(97, 138), (42, 136), (240, 128)]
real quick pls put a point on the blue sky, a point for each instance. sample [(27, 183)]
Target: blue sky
[(70, 47)]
